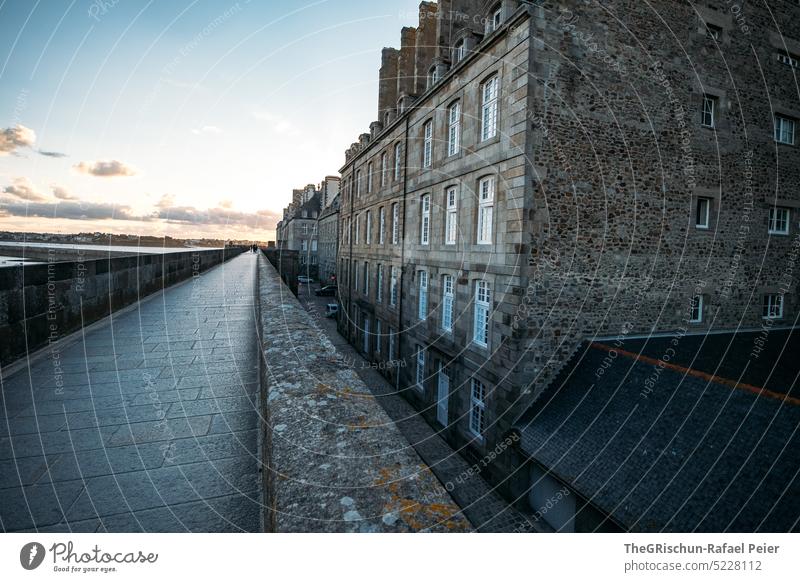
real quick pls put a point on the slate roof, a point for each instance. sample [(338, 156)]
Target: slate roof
[(709, 441)]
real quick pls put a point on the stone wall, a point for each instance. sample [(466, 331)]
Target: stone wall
[(334, 461), (42, 303)]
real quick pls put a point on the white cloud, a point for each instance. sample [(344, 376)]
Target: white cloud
[(62, 193), (13, 138), (105, 169), (24, 189)]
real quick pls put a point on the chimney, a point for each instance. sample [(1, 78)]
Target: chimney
[(406, 62), (387, 87), (425, 48)]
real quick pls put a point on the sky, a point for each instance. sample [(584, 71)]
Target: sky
[(186, 118)]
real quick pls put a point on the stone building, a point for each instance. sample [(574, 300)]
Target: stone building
[(297, 231), (547, 174), (328, 229)]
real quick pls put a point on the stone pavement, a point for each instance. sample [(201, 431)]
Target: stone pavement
[(150, 424), (485, 509)]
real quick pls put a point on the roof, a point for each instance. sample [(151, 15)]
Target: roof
[(692, 433)]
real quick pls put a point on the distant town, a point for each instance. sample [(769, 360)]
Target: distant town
[(109, 239)]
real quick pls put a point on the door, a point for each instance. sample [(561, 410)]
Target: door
[(442, 396)]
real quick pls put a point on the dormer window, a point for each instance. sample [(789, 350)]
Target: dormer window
[(433, 76), (789, 59), (494, 20), (459, 51), (713, 31)]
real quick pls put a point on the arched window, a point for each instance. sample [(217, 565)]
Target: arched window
[(459, 51), (494, 19)]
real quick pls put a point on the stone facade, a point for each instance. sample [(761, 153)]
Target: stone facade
[(298, 229), (328, 229), (615, 211)]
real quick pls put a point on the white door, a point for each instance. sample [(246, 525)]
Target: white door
[(443, 394)]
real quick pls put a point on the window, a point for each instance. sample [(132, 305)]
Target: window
[(420, 368), (379, 284), (773, 306), (366, 278), (378, 338), (355, 276), (485, 210), (702, 218), (477, 409), (778, 220), (448, 302), (368, 228), (305, 229), (454, 129), (427, 148), (392, 349), (358, 228), (713, 31), (709, 110), (365, 319), (789, 59), (304, 245), (384, 168), (423, 295), (433, 76), (784, 130), (451, 219), (483, 306), (349, 230), (696, 309), (425, 220), (358, 183), (489, 92), (395, 224), (396, 161), (381, 225), (459, 51), (314, 246), (369, 177), (393, 286), (494, 20)]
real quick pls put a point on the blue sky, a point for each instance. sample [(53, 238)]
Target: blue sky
[(202, 104)]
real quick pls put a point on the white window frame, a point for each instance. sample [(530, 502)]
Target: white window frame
[(422, 299), (789, 59), (696, 309), (486, 195), (358, 229), (396, 223), (451, 217), (709, 111), (393, 284), (477, 408), (314, 245), (702, 219), (420, 384), (425, 220), (785, 130), (494, 20), (779, 220), (481, 328), (454, 129), (366, 278), (358, 183), (368, 228), (384, 168), (459, 51), (369, 177), (381, 225), (427, 147), (379, 284), (489, 104), (304, 245), (448, 302), (773, 306), (397, 162)]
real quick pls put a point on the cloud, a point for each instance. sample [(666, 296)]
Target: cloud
[(62, 193), (207, 129), (13, 138), (24, 189), (279, 124), (220, 216), (68, 210), (104, 169), (51, 154)]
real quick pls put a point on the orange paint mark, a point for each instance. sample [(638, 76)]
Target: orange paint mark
[(758, 391)]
